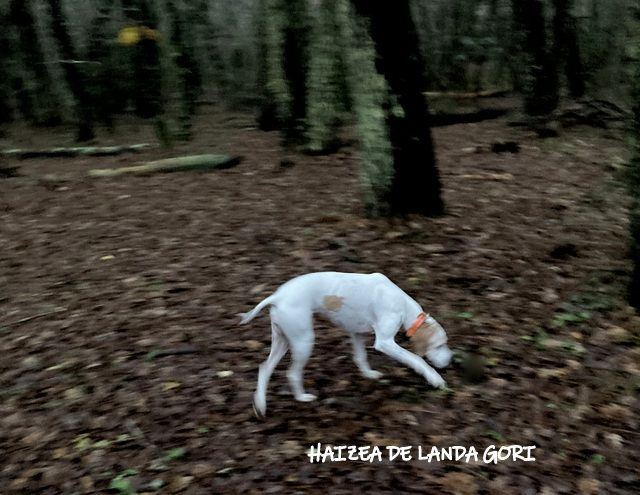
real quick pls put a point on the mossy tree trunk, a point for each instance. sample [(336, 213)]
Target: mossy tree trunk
[(282, 30), (73, 74), (274, 99), (326, 80), (370, 98), (296, 39), (415, 186)]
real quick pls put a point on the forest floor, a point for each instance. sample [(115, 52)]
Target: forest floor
[(134, 373)]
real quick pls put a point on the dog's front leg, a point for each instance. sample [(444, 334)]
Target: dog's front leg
[(385, 333), (360, 357), (415, 362)]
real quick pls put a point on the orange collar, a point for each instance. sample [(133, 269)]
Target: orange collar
[(416, 324)]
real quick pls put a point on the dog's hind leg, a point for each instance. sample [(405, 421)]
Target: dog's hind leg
[(279, 348), (298, 328), (360, 356), (300, 352)]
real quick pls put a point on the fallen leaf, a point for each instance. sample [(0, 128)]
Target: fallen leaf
[(588, 486), (166, 386), (459, 483)]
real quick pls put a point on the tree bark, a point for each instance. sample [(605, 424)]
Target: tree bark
[(74, 77), (35, 104), (102, 89), (416, 184), (190, 77), (295, 66), (7, 55), (633, 181), (541, 84), (567, 47), (326, 78)]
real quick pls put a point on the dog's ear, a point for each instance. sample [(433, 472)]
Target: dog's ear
[(420, 340)]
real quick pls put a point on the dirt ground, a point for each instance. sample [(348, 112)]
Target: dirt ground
[(135, 375)]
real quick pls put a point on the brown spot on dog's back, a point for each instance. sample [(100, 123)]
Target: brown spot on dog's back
[(333, 303)]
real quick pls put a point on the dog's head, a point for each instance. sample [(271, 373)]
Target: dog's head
[(430, 340)]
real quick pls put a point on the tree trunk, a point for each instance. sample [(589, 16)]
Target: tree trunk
[(295, 66), (189, 72), (74, 77), (7, 57), (415, 186), (282, 28), (32, 84), (326, 80), (541, 82), (634, 190), (567, 47), (102, 89), (274, 99)]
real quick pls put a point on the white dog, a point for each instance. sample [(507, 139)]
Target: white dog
[(358, 303)]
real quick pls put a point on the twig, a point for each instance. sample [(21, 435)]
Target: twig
[(33, 317)]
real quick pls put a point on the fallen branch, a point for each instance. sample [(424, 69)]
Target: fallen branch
[(490, 93), (178, 351), (178, 164), (488, 176), (445, 119), (74, 151)]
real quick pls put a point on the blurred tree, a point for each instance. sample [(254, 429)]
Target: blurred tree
[(326, 81), (567, 47), (455, 55), (370, 98), (32, 82), (102, 86), (145, 57), (7, 56), (282, 31), (634, 180), (274, 101), (540, 83), (74, 76), (415, 186), (182, 22), (296, 39)]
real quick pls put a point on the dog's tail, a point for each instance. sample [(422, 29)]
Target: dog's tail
[(247, 317)]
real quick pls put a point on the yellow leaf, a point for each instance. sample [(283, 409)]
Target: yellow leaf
[(129, 35), (166, 386), (107, 257)]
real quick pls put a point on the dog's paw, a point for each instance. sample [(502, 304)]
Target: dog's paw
[(372, 374), (438, 382), (306, 398), (259, 407)]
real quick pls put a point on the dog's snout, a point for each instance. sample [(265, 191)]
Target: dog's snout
[(440, 357)]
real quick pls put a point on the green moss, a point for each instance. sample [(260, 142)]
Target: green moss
[(276, 81), (370, 97), (326, 78)]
